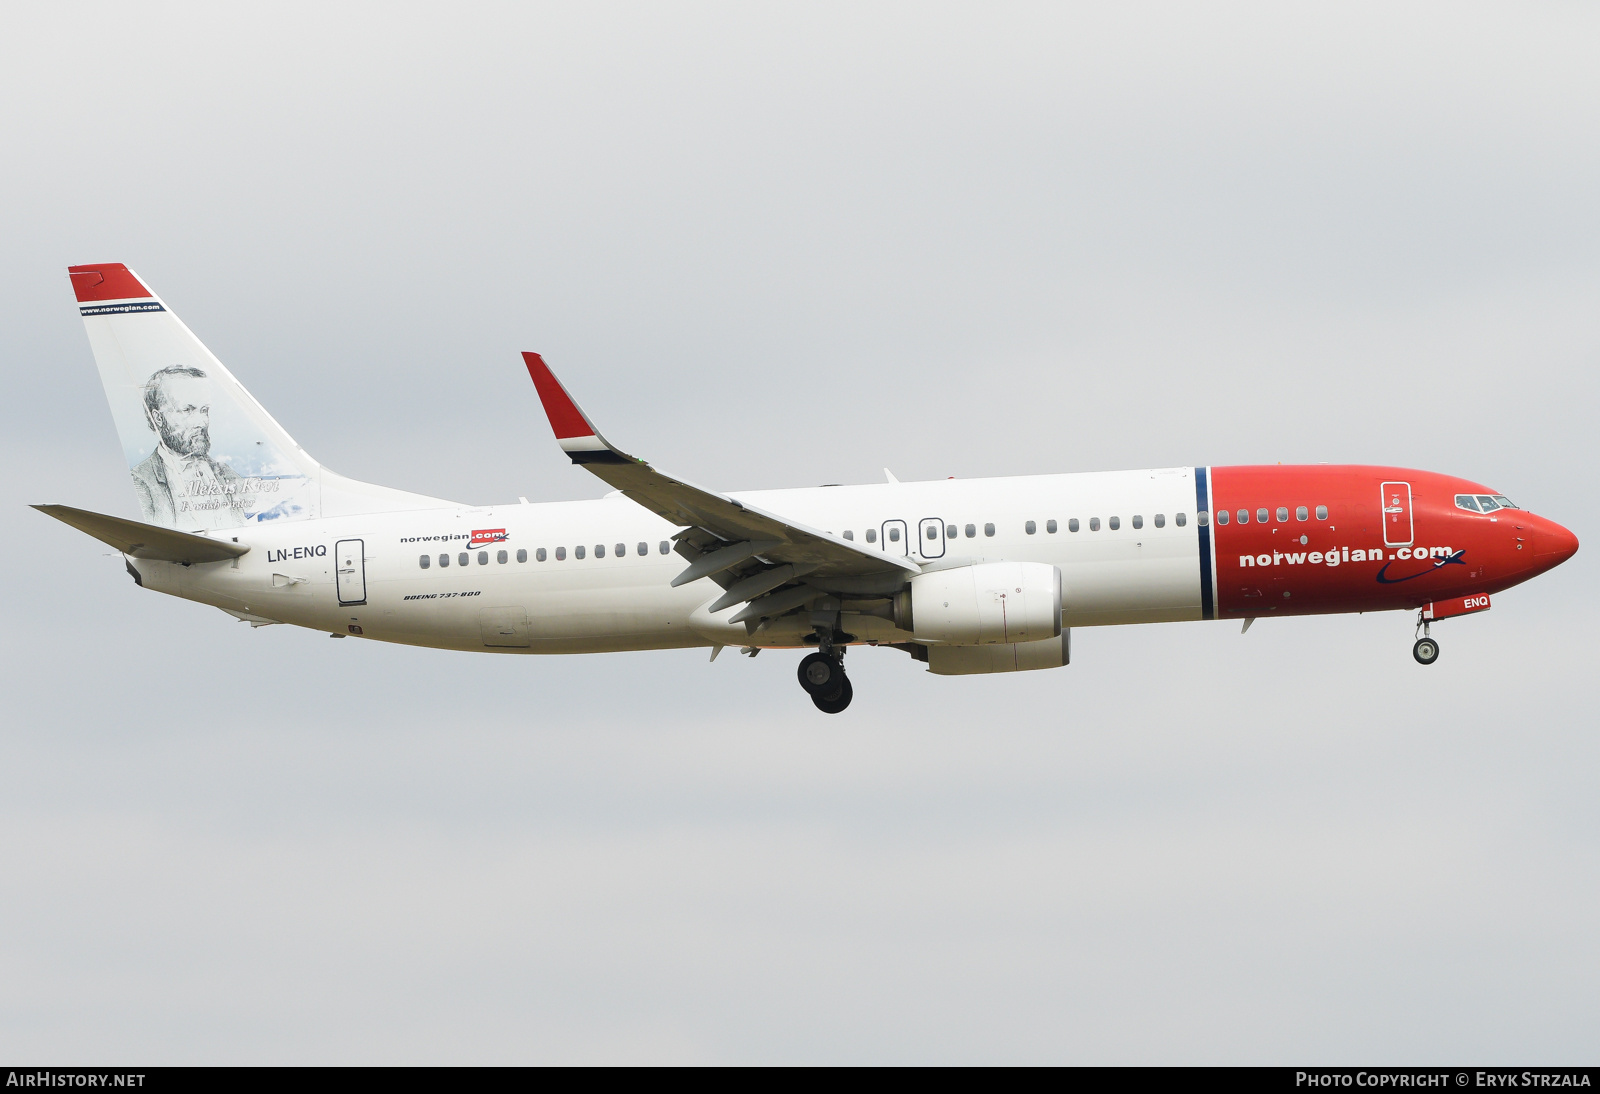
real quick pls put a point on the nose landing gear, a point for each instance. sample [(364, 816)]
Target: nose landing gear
[(1425, 650), (822, 675)]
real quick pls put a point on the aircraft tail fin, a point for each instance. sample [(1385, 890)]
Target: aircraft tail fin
[(202, 453)]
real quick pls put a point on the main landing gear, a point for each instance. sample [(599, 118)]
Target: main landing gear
[(822, 675), (1426, 650)]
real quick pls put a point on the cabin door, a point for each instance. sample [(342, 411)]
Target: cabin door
[(351, 567), (1397, 514)]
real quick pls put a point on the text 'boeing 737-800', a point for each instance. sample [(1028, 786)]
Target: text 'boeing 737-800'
[(968, 576)]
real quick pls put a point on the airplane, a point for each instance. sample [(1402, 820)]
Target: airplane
[(966, 576)]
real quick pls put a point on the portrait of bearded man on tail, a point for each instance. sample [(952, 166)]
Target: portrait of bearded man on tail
[(179, 484)]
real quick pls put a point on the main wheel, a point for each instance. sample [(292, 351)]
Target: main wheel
[(1426, 651), (820, 674), (838, 702)]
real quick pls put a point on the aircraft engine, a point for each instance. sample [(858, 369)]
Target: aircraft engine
[(987, 603)]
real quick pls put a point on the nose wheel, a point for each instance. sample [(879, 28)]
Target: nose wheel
[(1425, 650), (822, 676)]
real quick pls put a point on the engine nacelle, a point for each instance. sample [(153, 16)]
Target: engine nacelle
[(990, 602), (1050, 653)]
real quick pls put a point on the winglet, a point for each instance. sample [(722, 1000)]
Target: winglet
[(576, 434)]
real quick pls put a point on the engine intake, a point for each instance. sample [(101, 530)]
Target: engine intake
[(987, 603)]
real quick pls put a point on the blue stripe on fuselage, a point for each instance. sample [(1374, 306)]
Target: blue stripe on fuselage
[(1203, 527)]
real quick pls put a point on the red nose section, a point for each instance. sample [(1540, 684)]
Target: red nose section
[(1553, 544)]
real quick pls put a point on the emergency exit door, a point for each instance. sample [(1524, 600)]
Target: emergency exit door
[(930, 537), (350, 567), (1397, 514), (894, 537)]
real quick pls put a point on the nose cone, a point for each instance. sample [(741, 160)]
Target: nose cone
[(1553, 544)]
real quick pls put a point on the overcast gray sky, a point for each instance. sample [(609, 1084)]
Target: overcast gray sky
[(783, 246)]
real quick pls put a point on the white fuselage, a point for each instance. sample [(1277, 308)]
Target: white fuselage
[(611, 600)]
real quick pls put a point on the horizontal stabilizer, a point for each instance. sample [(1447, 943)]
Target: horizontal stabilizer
[(140, 540)]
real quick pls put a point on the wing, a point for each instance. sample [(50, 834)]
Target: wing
[(774, 563)]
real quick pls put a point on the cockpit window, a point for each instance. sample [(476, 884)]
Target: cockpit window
[(1482, 503)]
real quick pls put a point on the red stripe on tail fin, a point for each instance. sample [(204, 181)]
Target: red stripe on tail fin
[(106, 281)]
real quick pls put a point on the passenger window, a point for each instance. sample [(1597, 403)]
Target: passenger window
[(950, 531), (988, 529), (1222, 516), (666, 547), (444, 560), (1115, 523), (463, 558), (425, 562), (1030, 528), (1094, 524), (502, 558), (848, 534), (1050, 526), (1202, 518), (1243, 516), (643, 548), (483, 558), (599, 550), (1138, 521), (561, 554), (1072, 524), (1283, 513), (872, 535), (1301, 513), (522, 554), (972, 530), (1322, 512), (1261, 516), (933, 531), (622, 550), (894, 534), (577, 552), (1161, 520)]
